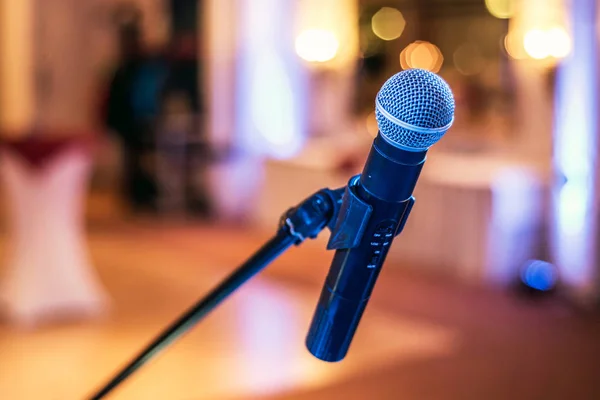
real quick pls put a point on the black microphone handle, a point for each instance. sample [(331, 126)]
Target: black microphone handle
[(385, 188)]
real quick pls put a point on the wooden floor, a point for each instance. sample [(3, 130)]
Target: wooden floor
[(420, 338)]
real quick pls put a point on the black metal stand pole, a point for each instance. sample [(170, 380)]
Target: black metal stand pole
[(304, 221)]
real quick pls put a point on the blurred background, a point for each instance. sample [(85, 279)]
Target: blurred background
[(150, 146)]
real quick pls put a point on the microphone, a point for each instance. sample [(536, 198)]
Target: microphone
[(414, 109)]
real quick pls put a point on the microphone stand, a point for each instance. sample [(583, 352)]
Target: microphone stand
[(306, 220)]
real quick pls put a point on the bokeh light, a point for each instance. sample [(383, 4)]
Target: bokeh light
[(539, 44), (468, 59), (536, 44), (403, 56), (554, 42), (502, 9), (539, 275), (514, 46), (560, 42), (388, 23), (423, 55), (317, 45)]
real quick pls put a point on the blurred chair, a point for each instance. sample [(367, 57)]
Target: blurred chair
[(48, 273)]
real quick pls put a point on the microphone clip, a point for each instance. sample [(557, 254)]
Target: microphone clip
[(313, 214), (353, 217)]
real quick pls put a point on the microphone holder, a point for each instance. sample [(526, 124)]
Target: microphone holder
[(306, 220)]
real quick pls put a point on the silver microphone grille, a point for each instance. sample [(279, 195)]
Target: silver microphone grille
[(414, 109)]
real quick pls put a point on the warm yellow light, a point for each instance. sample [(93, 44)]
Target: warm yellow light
[(468, 60), (388, 23), (502, 9), (559, 42), (404, 55), (536, 44), (544, 43), (514, 46), (423, 55), (317, 45), (336, 16)]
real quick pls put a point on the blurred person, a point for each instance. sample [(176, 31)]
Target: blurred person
[(132, 107), (184, 70), (182, 102)]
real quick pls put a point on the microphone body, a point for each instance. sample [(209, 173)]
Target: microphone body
[(414, 109), (354, 270)]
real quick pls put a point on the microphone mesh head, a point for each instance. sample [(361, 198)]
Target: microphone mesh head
[(419, 98)]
